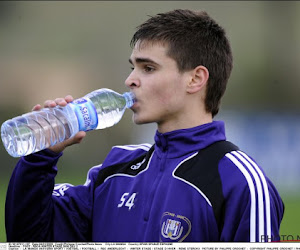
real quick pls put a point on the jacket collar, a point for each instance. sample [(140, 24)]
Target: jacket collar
[(181, 142)]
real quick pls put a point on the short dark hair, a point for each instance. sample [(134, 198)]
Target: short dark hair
[(193, 39)]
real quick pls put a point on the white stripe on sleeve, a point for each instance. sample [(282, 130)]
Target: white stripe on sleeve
[(259, 193), (266, 192), (144, 147), (252, 195), (259, 186), (88, 180)]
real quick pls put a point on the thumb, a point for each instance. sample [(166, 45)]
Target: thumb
[(74, 140), (78, 137)]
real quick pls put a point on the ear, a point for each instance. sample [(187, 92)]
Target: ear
[(199, 78)]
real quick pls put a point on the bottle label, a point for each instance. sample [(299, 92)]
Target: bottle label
[(86, 114)]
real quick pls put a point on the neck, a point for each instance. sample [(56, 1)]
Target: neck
[(188, 120)]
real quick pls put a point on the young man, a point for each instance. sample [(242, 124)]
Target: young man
[(191, 185)]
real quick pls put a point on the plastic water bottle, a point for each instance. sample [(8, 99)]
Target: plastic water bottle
[(37, 130)]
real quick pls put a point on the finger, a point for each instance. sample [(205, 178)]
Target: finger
[(74, 140), (60, 101), (49, 104), (79, 136), (69, 98), (37, 107)]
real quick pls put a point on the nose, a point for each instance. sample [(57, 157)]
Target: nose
[(132, 81)]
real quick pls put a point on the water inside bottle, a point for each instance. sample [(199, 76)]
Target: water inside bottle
[(38, 130), (17, 137), (110, 107), (35, 131)]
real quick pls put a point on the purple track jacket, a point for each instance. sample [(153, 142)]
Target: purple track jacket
[(147, 194)]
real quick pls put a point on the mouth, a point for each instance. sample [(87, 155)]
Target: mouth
[(130, 99), (133, 100), (134, 104)]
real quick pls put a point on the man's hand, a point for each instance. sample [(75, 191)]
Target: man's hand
[(61, 102)]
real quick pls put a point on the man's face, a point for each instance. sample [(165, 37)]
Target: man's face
[(159, 87)]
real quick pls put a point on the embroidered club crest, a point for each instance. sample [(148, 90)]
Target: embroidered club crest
[(174, 227)]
